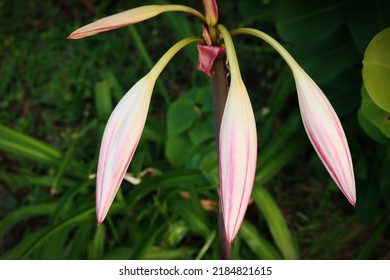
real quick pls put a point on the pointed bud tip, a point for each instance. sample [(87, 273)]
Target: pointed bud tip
[(211, 12), (99, 220), (78, 35), (353, 202), (74, 35), (99, 217)]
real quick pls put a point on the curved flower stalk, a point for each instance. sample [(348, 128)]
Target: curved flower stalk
[(123, 132), (321, 123), (237, 147)]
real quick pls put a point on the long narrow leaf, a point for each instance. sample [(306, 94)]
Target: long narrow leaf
[(144, 244), (24, 213), (281, 142), (81, 237), (32, 242), (194, 219), (25, 146), (257, 243), (180, 179), (207, 245), (273, 165), (19, 143), (366, 250), (96, 248), (276, 222)]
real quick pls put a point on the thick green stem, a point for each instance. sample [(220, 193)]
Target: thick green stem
[(220, 90)]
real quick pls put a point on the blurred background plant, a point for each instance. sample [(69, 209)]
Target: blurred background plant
[(56, 95)]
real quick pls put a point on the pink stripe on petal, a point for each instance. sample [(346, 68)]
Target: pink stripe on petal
[(326, 133), (237, 158), (117, 20), (123, 132), (120, 139)]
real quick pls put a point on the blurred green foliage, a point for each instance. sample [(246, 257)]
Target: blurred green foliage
[(56, 95)]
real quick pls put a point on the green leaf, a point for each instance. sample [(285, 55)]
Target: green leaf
[(203, 97), (326, 60), (280, 158), (103, 99), (65, 163), (344, 91), (376, 69), (261, 10), (24, 213), (302, 22), (281, 91), (176, 233), (66, 202), (20, 251), (378, 117), (146, 241), (154, 131), (376, 15), (33, 241), (181, 253), (178, 179), (276, 222), (369, 246), (115, 87), (17, 143), (203, 130), (279, 96), (139, 43), (371, 130), (196, 220), (181, 116), (257, 243), (385, 180), (54, 247), (25, 146), (26, 179), (103, 103), (370, 207), (177, 149), (119, 253), (81, 237), (280, 141), (181, 28), (207, 245), (96, 247)]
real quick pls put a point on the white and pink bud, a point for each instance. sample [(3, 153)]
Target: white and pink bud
[(237, 157), (325, 132), (120, 139)]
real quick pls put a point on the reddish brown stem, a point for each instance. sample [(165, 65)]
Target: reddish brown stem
[(220, 90)]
